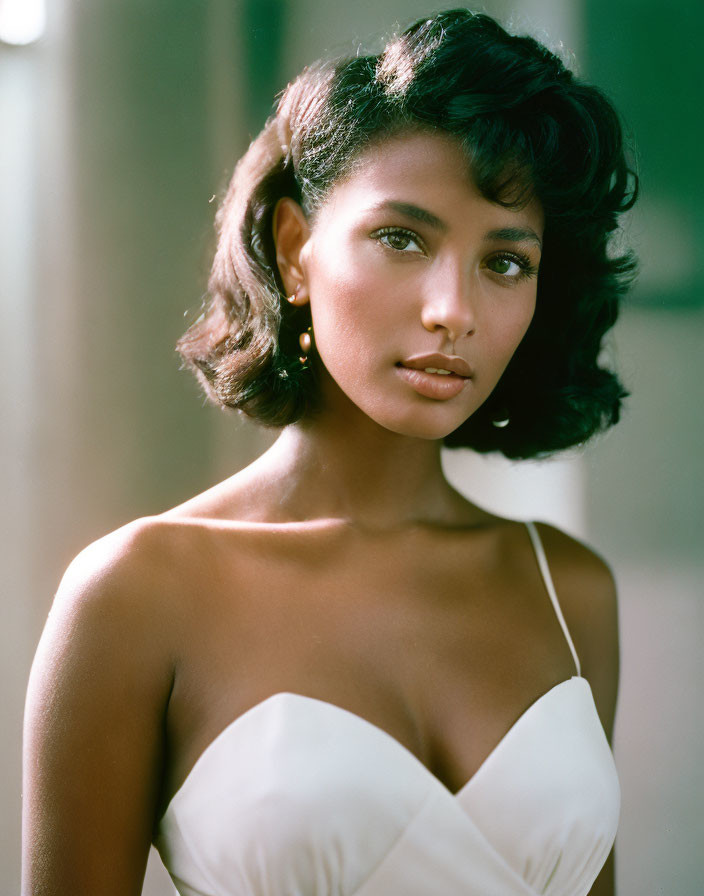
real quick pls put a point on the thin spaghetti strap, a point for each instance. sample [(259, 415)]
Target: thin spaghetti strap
[(549, 585)]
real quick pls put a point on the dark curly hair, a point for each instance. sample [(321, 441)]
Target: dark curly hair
[(530, 128)]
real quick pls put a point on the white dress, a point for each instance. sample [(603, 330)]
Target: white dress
[(299, 797)]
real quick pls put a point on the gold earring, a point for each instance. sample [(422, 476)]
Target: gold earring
[(305, 340)]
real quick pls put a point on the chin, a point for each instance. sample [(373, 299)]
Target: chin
[(418, 426)]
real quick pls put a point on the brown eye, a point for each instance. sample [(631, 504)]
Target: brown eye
[(397, 240), (400, 240)]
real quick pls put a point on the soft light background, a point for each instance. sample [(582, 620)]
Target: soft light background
[(116, 128)]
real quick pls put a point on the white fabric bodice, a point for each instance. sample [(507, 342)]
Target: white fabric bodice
[(299, 797)]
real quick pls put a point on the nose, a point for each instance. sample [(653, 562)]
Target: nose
[(450, 306)]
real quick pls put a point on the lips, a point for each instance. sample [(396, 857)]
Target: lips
[(436, 362), (435, 376)]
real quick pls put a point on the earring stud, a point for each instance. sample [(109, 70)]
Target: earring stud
[(296, 299)]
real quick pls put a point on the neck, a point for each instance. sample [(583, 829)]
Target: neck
[(334, 467)]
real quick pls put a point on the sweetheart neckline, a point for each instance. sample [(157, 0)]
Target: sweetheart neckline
[(378, 732)]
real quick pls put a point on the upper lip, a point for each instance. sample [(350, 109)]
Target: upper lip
[(441, 362)]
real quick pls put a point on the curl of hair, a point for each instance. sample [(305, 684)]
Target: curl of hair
[(529, 128)]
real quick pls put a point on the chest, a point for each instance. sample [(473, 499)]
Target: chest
[(440, 646)]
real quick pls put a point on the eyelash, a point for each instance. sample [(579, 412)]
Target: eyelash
[(527, 269), (400, 231)]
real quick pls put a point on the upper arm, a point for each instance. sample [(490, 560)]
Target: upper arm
[(93, 736), (587, 593)]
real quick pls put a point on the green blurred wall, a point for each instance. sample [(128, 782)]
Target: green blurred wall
[(648, 55)]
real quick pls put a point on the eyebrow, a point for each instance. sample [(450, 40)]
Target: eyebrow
[(413, 211), (509, 234), (515, 235)]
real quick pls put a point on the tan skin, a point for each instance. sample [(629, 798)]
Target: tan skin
[(340, 565)]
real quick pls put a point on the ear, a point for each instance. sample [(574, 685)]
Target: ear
[(291, 232)]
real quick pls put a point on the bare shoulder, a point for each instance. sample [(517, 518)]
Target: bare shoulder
[(94, 716), (110, 603), (580, 567), (586, 590), (124, 578), (130, 593), (128, 563)]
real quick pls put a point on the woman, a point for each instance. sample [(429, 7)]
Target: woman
[(332, 674)]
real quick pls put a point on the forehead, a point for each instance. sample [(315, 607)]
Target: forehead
[(416, 155), (429, 169)]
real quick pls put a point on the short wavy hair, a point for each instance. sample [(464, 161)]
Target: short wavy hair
[(529, 128)]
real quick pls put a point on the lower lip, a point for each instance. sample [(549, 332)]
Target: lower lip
[(440, 386)]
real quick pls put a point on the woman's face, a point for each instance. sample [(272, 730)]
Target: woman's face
[(420, 289)]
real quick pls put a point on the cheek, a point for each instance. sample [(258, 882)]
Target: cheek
[(338, 314), (525, 322), (508, 335), (351, 299), (517, 324)]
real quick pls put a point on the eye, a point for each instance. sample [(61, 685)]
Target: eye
[(512, 266), (400, 240)]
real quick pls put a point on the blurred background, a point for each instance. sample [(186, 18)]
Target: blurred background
[(120, 122)]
